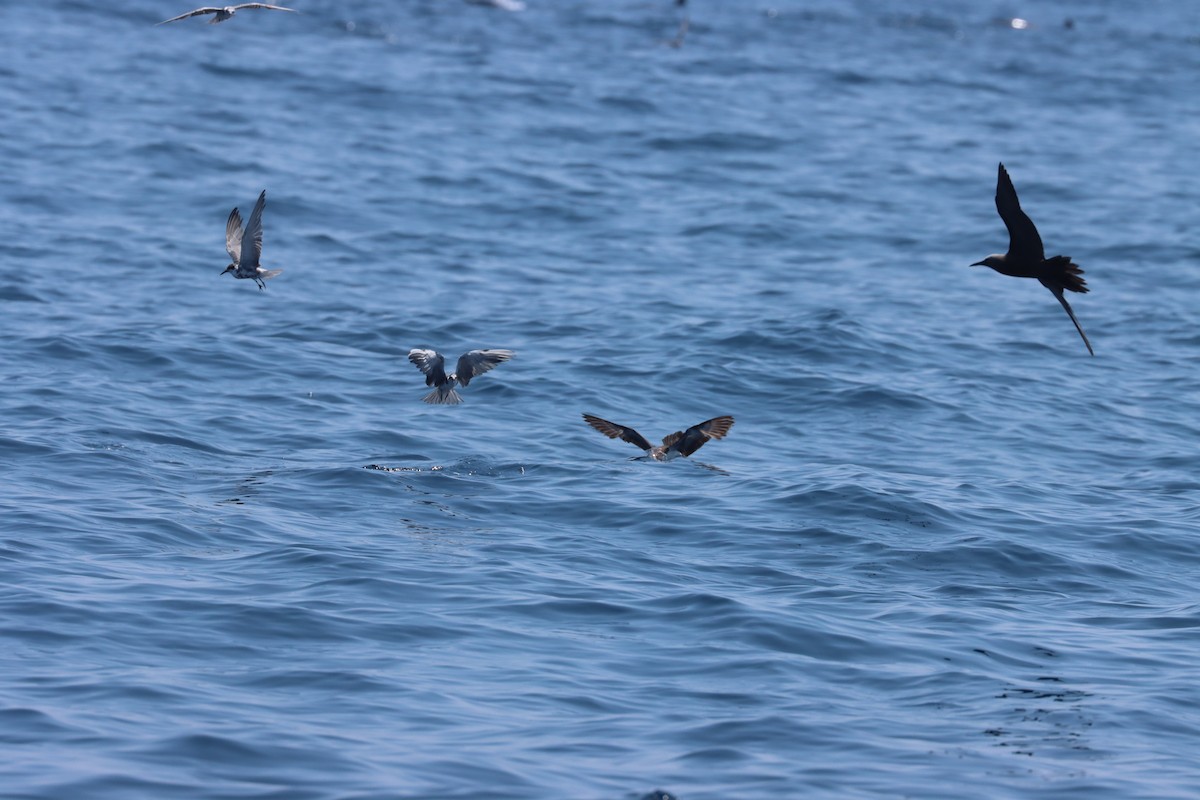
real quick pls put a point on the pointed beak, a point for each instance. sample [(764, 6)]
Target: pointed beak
[(979, 264)]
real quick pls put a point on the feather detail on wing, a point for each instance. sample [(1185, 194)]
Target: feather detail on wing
[(615, 431), (233, 234), (431, 363), (476, 362), (196, 13), (253, 237), (691, 440)]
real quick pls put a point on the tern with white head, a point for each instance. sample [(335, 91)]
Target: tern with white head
[(222, 13), (245, 247), (471, 364)]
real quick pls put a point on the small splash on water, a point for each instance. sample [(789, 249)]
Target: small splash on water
[(467, 467)]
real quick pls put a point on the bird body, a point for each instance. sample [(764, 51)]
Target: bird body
[(677, 444), (470, 365), (222, 13), (1026, 257), (245, 246)]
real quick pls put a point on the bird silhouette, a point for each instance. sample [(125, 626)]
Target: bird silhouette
[(1026, 258), (679, 443)]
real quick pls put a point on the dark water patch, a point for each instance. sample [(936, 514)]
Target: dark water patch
[(24, 726), (16, 294)]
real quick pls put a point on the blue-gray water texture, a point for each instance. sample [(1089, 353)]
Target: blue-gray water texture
[(943, 553)]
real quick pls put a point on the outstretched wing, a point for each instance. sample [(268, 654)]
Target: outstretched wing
[(1024, 244), (263, 5), (233, 236), (196, 13), (691, 440), (477, 362), (252, 238), (431, 363), (615, 431)]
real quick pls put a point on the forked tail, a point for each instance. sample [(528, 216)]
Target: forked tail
[(443, 395), (1071, 314), (1067, 274)]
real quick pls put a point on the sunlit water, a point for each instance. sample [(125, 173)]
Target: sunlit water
[(942, 553)]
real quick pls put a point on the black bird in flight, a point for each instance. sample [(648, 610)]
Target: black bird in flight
[(679, 443), (1027, 259)]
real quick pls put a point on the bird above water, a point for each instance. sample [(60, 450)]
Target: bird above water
[(1027, 259), (245, 247), (680, 443), (504, 5), (223, 13), (471, 364)]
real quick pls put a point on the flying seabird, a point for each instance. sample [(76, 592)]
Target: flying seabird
[(1027, 259), (471, 364), (505, 5), (679, 443), (246, 248), (224, 12)]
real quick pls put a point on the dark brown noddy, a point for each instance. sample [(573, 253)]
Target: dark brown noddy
[(470, 364), (1026, 257), (679, 443)]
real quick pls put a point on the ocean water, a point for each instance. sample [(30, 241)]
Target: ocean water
[(943, 552)]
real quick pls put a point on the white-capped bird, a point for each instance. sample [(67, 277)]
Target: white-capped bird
[(223, 13), (245, 247), (679, 443), (471, 364), (505, 5)]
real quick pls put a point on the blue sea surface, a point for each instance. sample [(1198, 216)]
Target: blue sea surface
[(943, 552)]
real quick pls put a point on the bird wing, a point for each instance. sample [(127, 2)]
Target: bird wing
[(263, 5), (233, 236), (252, 238), (196, 13), (431, 363), (477, 362), (691, 440), (1024, 244), (615, 431)]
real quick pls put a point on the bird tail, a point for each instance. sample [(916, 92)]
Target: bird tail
[(1066, 273), (267, 274), (1067, 307), (443, 395)]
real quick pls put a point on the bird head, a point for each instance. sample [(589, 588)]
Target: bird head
[(230, 268), (995, 260)]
